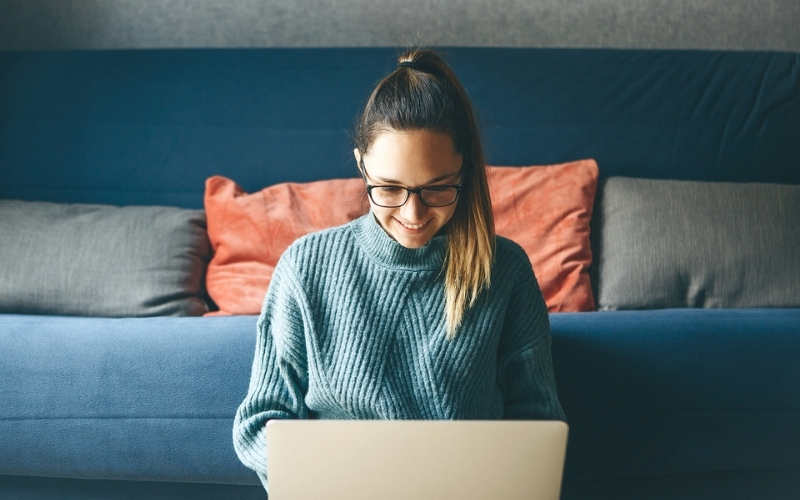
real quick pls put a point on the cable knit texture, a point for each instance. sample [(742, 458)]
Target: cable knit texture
[(353, 327)]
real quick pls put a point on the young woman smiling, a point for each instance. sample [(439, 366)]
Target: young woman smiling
[(415, 310)]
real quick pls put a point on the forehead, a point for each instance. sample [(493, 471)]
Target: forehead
[(414, 157)]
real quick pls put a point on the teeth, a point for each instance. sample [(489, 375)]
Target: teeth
[(412, 226)]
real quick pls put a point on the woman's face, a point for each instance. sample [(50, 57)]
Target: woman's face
[(412, 159)]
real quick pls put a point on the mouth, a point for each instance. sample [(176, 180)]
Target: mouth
[(413, 227)]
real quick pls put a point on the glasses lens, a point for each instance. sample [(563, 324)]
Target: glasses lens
[(388, 196), (439, 196)]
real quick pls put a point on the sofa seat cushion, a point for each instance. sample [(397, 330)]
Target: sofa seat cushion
[(647, 393), (134, 398), (674, 391)]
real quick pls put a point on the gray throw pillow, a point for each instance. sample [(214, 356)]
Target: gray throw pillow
[(665, 244), (101, 260)]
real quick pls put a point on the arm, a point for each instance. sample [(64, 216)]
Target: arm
[(525, 361), (278, 380)]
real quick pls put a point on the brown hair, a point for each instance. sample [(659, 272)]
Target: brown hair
[(425, 94)]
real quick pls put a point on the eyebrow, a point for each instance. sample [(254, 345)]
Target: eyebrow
[(432, 181)]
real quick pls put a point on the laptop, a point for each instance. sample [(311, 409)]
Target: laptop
[(424, 460)]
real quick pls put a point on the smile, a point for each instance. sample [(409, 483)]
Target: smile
[(413, 226)]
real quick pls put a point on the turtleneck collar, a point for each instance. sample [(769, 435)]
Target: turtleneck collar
[(387, 252)]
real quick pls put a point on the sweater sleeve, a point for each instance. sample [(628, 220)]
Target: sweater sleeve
[(278, 380), (525, 360)]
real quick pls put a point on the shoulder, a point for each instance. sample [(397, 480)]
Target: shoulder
[(321, 252), (510, 248), (513, 268), (513, 272), (321, 244), (305, 257), (510, 256)]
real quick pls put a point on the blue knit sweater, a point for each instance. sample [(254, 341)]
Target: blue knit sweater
[(353, 327)]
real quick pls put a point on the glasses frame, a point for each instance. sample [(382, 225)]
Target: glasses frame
[(409, 191)]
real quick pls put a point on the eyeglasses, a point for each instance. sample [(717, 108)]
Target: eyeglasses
[(387, 196)]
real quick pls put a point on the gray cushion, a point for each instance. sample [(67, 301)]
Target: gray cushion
[(697, 244), (100, 260)]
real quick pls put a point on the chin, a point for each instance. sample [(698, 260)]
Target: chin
[(412, 242)]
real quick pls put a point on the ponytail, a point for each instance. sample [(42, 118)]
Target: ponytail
[(423, 93)]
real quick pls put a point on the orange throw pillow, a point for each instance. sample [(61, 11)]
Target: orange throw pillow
[(249, 232), (545, 209)]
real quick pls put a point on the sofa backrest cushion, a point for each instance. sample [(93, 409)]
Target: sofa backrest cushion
[(147, 127), (664, 244), (101, 260), (547, 210)]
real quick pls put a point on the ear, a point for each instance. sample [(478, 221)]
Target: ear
[(357, 154)]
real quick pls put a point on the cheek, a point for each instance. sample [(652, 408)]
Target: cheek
[(382, 213), (446, 216)]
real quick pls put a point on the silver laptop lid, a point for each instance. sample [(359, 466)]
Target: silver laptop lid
[(370, 459)]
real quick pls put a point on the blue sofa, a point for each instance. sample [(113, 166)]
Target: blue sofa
[(670, 403)]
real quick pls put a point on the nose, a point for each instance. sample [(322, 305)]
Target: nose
[(414, 210)]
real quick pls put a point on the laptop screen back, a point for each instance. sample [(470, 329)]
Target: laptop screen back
[(368, 459)]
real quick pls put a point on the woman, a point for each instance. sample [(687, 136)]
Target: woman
[(415, 310)]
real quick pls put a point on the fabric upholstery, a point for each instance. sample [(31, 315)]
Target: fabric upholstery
[(150, 126), (545, 209), (665, 243), (755, 483), (678, 391), (48, 488), (110, 398), (97, 260), (141, 399)]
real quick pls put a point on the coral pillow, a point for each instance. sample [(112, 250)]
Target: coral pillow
[(545, 209), (249, 232)]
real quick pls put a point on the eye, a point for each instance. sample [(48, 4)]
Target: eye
[(390, 189), (437, 189)]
